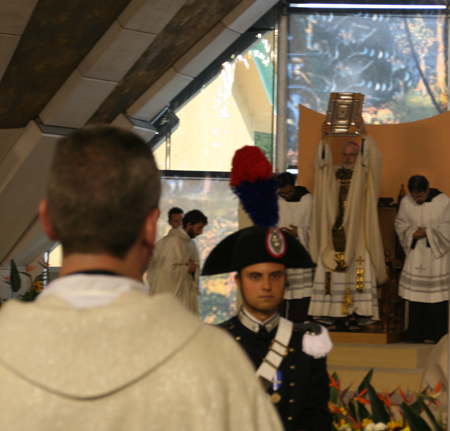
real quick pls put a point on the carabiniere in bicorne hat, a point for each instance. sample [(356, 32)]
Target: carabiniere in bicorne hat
[(253, 181)]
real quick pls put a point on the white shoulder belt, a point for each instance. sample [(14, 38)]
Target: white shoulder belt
[(277, 351)]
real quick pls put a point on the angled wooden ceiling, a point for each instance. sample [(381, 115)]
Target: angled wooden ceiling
[(65, 64)]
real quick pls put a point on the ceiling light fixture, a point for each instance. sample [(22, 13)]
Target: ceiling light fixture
[(363, 6)]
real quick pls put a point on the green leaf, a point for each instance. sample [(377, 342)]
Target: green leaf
[(430, 415), (344, 393), (379, 412), (28, 296), (334, 395), (367, 379), (416, 406), (14, 277), (351, 409), (39, 277), (416, 423), (363, 412), (426, 397), (356, 410)]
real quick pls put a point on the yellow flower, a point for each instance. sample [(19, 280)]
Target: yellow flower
[(395, 425), (37, 286), (406, 429), (344, 426), (366, 421)]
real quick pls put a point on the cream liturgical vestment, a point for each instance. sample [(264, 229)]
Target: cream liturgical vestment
[(354, 290), (435, 372), (298, 214), (425, 274), (134, 363), (168, 269)]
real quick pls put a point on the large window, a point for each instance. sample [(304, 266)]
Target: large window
[(235, 109), (211, 194), (399, 62)]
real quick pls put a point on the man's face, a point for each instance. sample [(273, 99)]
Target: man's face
[(287, 192), (176, 220), (194, 230), (349, 154), (262, 287), (420, 197)]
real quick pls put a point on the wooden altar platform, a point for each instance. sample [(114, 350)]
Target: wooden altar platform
[(366, 337), (395, 364)]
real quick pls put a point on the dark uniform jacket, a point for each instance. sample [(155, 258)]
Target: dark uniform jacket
[(304, 388)]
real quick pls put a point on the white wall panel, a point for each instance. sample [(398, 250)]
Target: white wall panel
[(115, 53), (76, 101), (158, 95), (14, 15), (149, 16)]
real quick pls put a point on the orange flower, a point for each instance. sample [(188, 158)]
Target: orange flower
[(333, 408), (360, 398), (386, 400), (30, 268), (333, 382), (406, 398)]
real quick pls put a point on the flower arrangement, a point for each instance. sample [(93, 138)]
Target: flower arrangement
[(368, 410), (15, 281)]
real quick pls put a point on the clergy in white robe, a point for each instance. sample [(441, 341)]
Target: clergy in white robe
[(105, 356), (169, 268), (435, 373), (345, 234), (423, 227), (295, 206), (94, 351)]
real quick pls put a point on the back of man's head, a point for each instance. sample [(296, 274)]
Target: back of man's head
[(103, 183), (418, 183), (194, 217), (285, 179)]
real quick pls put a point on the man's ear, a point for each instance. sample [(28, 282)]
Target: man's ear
[(149, 228), (237, 280), (46, 222)]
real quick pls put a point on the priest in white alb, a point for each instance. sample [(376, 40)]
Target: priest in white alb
[(175, 264), (345, 234), (423, 227), (295, 206)]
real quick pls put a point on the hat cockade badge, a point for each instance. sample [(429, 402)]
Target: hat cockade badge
[(275, 243)]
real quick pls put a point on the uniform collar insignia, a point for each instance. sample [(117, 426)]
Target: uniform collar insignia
[(254, 324)]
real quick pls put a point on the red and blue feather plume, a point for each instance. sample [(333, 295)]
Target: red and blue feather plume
[(254, 183)]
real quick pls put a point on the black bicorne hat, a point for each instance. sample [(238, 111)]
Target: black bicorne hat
[(254, 245), (252, 180)]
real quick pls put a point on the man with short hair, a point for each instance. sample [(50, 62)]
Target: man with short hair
[(175, 217), (423, 227), (295, 206), (94, 351), (345, 234), (175, 265), (290, 363)]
